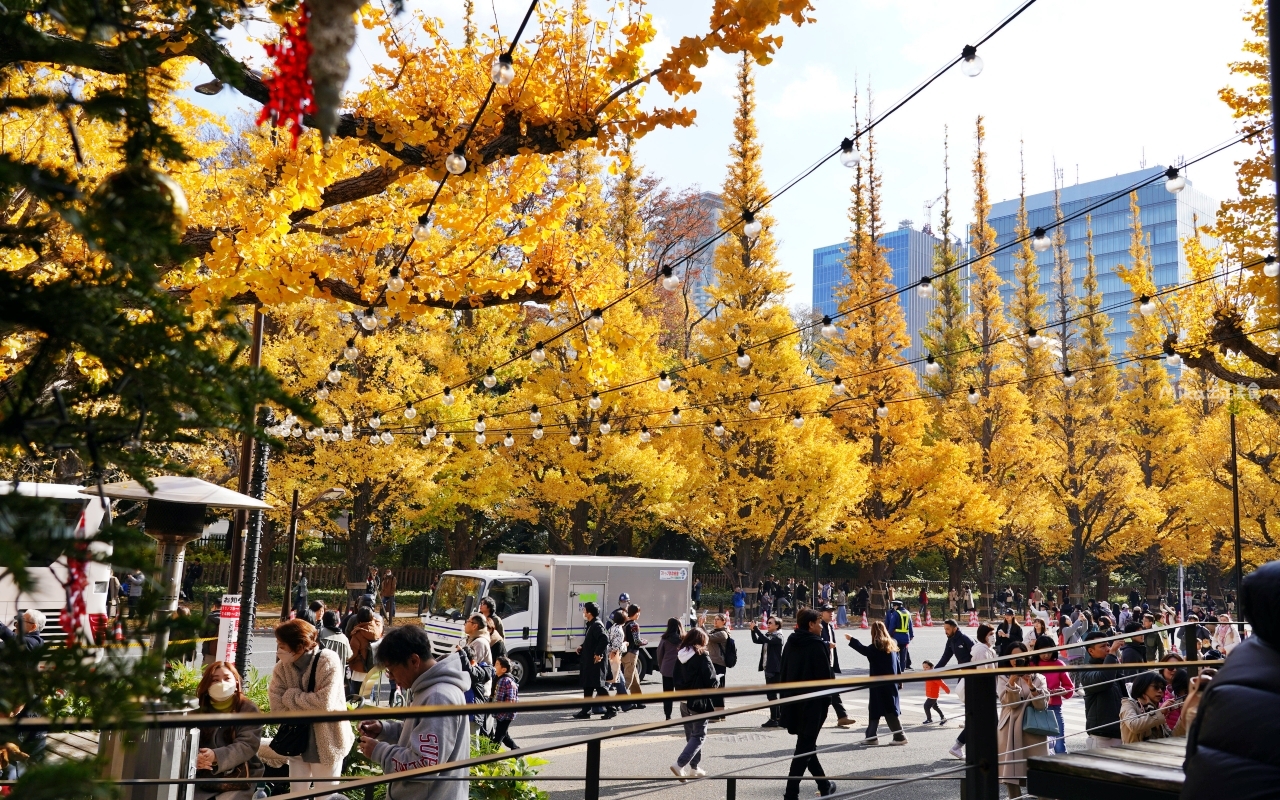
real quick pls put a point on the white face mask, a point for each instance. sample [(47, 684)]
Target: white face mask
[(222, 690), (285, 654), (991, 640)]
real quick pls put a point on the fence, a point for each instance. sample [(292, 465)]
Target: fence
[(326, 576), (979, 774)]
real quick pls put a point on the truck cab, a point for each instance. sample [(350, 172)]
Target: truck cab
[(457, 596)]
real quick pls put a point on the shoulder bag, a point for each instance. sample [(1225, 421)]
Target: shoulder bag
[(1039, 722), (293, 737)]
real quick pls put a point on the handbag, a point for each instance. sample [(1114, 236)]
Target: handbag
[(1039, 722), (208, 781), (700, 705), (293, 737)]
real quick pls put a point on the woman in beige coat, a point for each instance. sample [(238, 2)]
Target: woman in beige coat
[(1015, 693), (291, 689)]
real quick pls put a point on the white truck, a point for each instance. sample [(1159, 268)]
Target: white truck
[(539, 599)]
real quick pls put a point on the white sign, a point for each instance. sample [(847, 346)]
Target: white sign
[(673, 574), (228, 628)]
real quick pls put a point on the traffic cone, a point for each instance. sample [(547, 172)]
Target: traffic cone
[(928, 618), (118, 632), (973, 619), (916, 619), (864, 624)]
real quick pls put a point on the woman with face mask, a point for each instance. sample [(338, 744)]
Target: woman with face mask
[(308, 677), (226, 752), (1015, 693)]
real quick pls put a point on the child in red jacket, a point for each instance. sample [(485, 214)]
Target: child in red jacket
[(931, 690)]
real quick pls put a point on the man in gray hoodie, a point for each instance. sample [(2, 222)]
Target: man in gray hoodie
[(420, 741)]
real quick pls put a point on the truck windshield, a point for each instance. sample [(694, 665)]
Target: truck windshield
[(452, 593)]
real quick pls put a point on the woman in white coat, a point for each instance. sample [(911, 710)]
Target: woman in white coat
[(292, 689), (1015, 693)]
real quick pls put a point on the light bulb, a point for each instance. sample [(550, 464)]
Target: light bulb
[(1174, 182), (395, 283), (1034, 340), (351, 352), (480, 438), (347, 436), (931, 367), (1068, 380), (797, 420), (751, 226), (1173, 360), (456, 163), (575, 439), (535, 416), (644, 434), (387, 438), (297, 432), (369, 320), (829, 329), (570, 353), (1271, 268), (849, 156), (537, 432), (754, 405), (744, 360), (675, 416), (594, 402), (448, 440), (664, 383), (503, 72), (924, 290), (289, 419), (670, 281), (490, 380), (334, 375), (310, 433), (374, 440), (421, 231), (347, 429), (538, 355), (605, 427), (971, 62), (837, 387), (424, 440), (1146, 306), (410, 412), (974, 397), (882, 410), (375, 422), (1040, 240), (480, 427), (508, 440), (596, 321), (718, 430), (322, 393), (448, 398)]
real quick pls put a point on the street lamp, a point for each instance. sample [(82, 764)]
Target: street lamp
[(294, 510)]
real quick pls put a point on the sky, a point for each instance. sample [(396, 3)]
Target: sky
[(1092, 88)]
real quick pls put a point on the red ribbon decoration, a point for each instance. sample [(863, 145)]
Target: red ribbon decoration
[(291, 92)]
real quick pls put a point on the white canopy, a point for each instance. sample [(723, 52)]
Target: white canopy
[(179, 489), (60, 491)]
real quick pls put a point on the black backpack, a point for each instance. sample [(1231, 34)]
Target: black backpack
[(730, 651)]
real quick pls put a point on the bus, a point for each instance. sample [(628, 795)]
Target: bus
[(83, 515)]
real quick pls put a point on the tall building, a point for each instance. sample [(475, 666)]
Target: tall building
[(1166, 219), (701, 273), (910, 254)]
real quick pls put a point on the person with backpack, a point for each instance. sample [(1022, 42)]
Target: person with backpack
[(694, 670), (631, 652), (504, 691), (723, 652)]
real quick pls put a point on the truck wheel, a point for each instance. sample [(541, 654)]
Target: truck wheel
[(522, 671)]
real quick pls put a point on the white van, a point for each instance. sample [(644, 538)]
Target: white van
[(83, 515)]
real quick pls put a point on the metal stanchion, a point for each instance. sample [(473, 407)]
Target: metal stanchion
[(982, 781), (592, 789)]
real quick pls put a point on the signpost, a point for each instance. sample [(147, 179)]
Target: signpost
[(228, 629)]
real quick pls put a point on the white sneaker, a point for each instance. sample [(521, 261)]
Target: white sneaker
[(957, 750), (681, 772), (698, 772)]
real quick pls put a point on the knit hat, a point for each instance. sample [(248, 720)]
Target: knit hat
[(1260, 601)]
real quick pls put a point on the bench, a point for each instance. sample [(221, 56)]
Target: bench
[(1143, 771)]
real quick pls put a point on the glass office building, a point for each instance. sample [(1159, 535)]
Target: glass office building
[(702, 272), (1166, 219)]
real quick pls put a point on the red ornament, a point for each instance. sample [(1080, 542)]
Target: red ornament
[(292, 94), (74, 613)]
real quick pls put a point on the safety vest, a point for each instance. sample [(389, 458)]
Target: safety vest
[(904, 623)]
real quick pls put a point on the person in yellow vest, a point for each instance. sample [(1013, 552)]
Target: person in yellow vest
[(898, 621)]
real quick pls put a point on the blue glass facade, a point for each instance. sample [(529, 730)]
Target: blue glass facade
[(1166, 219)]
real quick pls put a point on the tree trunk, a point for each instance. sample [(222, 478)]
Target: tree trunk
[(270, 538), (1104, 582), (1031, 572), (578, 527), (1155, 572), (989, 575), (880, 572), (955, 570), (359, 530), (1077, 569)]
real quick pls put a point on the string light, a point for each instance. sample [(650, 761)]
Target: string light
[(421, 231), (849, 155), (370, 319), (644, 434), (322, 392), (596, 321), (288, 421), (387, 438), (456, 162), (490, 380), (539, 354), (829, 329), (374, 440), (351, 352), (594, 402), (410, 412), (395, 283), (924, 290), (480, 426), (535, 416), (431, 431), (575, 439), (837, 387), (1146, 306), (931, 367), (670, 280), (503, 71), (480, 438), (882, 410), (448, 440), (718, 430), (334, 375), (798, 420), (744, 360), (1068, 380), (537, 432), (675, 416), (754, 405), (1174, 181), (1034, 340), (347, 435), (974, 397), (375, 421), (1040, 240), (971, 62), (751, 226), (1171, 356), (664, 383), (424, 440), (508, 440), (1271, 267), (448, 398), (605, 427), (347, 430)]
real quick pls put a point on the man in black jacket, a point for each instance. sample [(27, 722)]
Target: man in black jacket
[(829, 636), (1134, 651), (958, 645), (804, 658), (593, 664), (1102, 693), (1008, 633), (770, 663), (1231, 747)]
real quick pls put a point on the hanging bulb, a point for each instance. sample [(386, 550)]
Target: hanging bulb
[(347, 435), (503, 71), (644, 434), (1034, 340), (322, 393), (395, 283), (1146, 306), (971, 62), (387, 438), (849, 156), (675, 416), (375, 422), (288, 421), (575, 439), (1068, 380), (424, 440), (539, 354), (718, 430), (974, 397), (535, 416), (1171, 356), (480, 438), (882, 410), (448, 440), (754, 405), (421, 230), (797, 420), (570, 353), (924, 290), (1040, 240), (297, 432), (829, 329), (374, 440), (837, 387), (744, 360), (456, 162), (664, 383), (1174, 182), (480, 426), (369, 320), (605, 427), (1271, 268), (751, 226), (430, 432), (670, 281), (594, 402), (490, 380), (334, 375), (410, 412), (931, 367), (347, 429), (310, 433), (351, 352), (596, 321), (508, 440), (448, 398), (537, 432)]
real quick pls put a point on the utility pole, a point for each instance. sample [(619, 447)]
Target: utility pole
[(240, 519), (1235, 504)]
